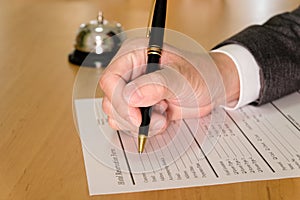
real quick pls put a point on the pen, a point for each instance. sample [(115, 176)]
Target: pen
[(156, 37)]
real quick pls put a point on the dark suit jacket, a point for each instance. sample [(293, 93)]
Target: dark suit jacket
[(276, 47)]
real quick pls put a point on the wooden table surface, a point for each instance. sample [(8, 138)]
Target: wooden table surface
[(40, 150)]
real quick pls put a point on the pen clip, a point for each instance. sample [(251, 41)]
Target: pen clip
[(150, 19)]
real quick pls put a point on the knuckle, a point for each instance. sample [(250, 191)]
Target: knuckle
[(158, 78), (102, 82), (105, 108), (160, 83), (112, 124)]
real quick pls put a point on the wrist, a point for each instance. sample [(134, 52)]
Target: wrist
[(229, 74)]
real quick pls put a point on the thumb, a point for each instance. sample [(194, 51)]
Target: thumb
[(154, 87)]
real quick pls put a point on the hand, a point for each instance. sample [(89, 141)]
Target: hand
[(187, 85)]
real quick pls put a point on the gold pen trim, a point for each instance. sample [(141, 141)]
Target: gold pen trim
[(154, 50), (141, 143), (150, 19)]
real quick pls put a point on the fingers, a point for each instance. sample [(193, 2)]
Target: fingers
[(177, 89), (129, 63), (158, 122), (127, 118), (176, 112), (121, 71), (152, 88)]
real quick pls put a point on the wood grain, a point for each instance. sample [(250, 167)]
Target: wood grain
[(40, 151)]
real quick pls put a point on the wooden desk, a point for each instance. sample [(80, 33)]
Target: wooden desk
[(40, 151)]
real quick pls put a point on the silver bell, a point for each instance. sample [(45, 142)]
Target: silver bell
[(97, 42)]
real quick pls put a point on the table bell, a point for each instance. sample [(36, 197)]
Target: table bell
[(97, 42)]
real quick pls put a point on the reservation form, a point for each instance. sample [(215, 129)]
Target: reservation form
[(251, 143)]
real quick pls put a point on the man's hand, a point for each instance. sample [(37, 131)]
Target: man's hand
[(188, 85)]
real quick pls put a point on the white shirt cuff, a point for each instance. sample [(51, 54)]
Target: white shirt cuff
[(248, 71)]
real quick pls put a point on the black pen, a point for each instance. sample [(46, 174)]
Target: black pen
[(156, 37)]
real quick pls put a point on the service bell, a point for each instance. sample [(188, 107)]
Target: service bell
[(97, 42)]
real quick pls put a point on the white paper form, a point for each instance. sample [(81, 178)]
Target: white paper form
[(252, 143)]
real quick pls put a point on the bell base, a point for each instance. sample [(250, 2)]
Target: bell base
[(91, 59)]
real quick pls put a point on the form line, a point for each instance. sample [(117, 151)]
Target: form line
[(234, 143), (155, 154), (229, 147), (207, 160), (263, 158), (175, 147), (285, 116), (171, 154), (191, 146), (129, 169), (214, 149), (273, 143)]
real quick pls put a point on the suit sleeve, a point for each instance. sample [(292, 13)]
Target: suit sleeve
[(275, 46)]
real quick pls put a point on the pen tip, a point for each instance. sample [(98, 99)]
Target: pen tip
[(141, 143)]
